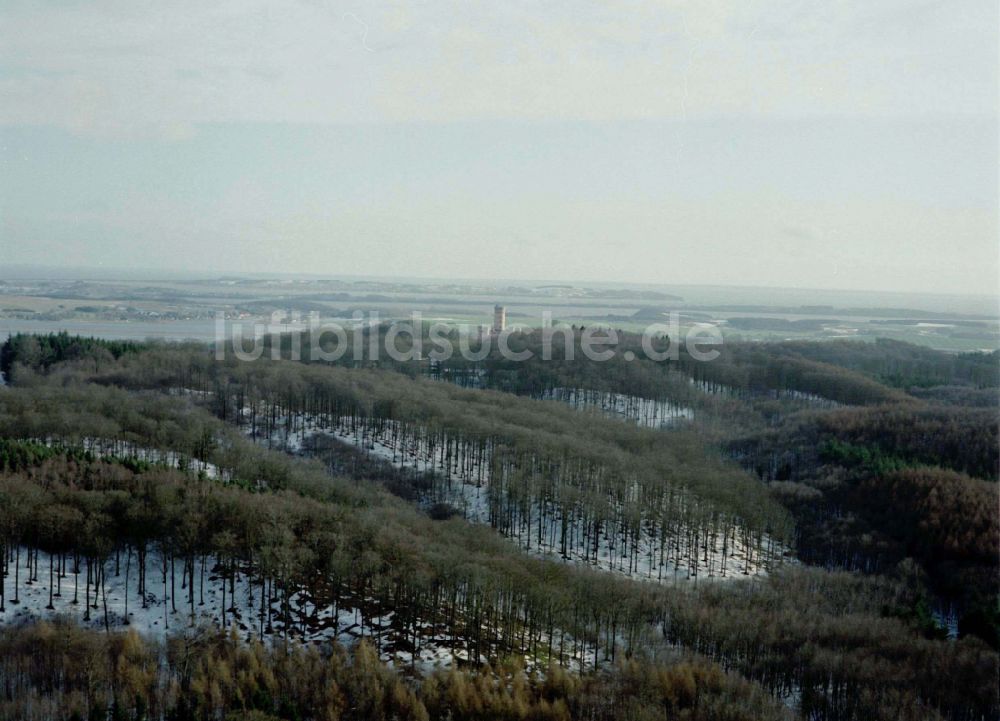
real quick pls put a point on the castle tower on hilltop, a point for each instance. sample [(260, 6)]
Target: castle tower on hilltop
[(499, 319)]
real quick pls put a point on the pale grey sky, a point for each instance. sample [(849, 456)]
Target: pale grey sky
[(836, 145)]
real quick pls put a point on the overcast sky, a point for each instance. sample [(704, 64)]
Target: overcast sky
[(832, 145)]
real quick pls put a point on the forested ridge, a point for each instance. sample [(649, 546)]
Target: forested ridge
[(161, 489), (841, 371), (43, 351), (542, 467)]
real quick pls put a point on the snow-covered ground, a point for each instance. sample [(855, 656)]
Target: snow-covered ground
[(683, 556), (162, 614), (114, 448), (719, 389), (642, 411), (123, 449)]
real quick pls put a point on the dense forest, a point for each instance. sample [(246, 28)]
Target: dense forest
[(191, 538)]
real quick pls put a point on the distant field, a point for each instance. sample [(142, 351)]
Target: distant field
[(177, 309)]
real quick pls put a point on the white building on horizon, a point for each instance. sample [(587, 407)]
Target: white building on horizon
[(499, 319)]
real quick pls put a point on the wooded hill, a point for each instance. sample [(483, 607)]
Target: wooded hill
[(153, 453), (544, 467), (62, 671)]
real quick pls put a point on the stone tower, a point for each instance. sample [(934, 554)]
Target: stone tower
[(499, 319)]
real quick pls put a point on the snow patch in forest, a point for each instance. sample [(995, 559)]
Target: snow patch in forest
[(726, 391), (463, 482), (173, 605), (115, 448), (645, 412)]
